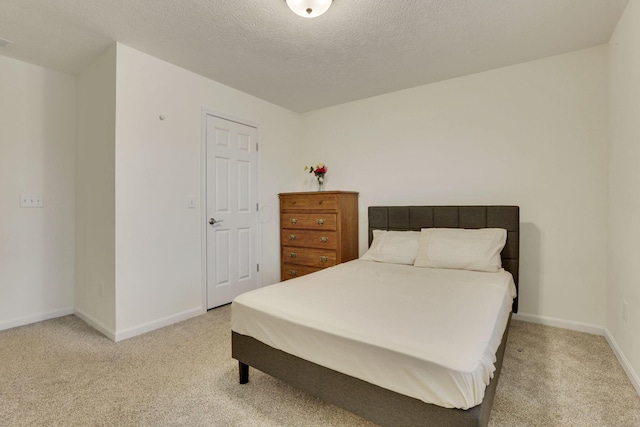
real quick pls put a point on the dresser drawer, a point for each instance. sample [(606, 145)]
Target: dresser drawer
[(293, 202), (311, 257), (290, 271), (319, 201), (309, 221), (310, 239)]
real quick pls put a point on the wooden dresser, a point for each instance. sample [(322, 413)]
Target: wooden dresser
[(317, 230)]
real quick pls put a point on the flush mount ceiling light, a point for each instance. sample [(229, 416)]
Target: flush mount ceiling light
[(309, 8)]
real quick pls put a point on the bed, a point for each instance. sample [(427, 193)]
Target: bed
[(347, 376)]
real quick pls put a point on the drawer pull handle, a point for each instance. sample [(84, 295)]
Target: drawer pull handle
[(293, 254), (320, 221), (293, 221), (292, 237), (320, 202), (293, 273), (293, 202), (323, 240), (324, 259)]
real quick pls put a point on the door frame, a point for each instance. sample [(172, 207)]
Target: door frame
[(203, 198)]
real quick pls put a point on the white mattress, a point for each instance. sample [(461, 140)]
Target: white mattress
[(431, 334)]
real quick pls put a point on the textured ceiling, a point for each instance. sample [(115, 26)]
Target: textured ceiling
[(358, 49)]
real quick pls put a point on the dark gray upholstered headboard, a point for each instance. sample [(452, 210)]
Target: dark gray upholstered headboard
[(417, 217)]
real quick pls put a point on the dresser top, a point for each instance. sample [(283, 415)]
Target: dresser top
[(319, 192)]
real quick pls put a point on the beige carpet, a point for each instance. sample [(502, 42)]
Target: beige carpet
[(63, 373)]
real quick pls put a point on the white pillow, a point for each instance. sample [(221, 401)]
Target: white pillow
[(461, 249), (396, 247)]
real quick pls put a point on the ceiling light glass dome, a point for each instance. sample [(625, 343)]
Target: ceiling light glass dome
[(309, 8)]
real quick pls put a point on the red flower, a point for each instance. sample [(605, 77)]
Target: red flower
[(318, 170)]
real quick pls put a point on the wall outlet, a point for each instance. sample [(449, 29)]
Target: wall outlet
[(625, 311)]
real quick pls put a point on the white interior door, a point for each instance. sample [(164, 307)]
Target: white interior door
[(232, 210)]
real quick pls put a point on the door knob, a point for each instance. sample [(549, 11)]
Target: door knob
[(213, 221)]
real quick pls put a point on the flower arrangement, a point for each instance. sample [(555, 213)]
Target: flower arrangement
[(318, 170)]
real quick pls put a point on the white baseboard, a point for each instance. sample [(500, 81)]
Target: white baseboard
[(21, 321), (101, 327), (95, 324), (633, 376), (560, 323), (156, 324)]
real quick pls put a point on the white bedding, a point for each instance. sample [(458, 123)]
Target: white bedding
[(431, 334)]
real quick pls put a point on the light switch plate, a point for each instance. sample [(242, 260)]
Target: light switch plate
[(191, 202), (31, 201)]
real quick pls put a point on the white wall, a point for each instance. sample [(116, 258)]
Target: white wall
[(37, 140), (624, 191), (95, 194), (158, 245), (532, 135)]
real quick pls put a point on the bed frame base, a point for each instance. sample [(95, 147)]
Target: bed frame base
[(374, 403)]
